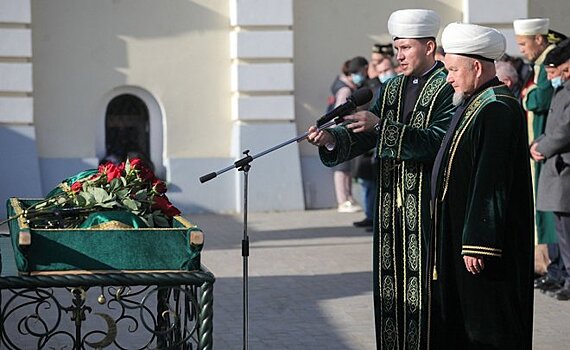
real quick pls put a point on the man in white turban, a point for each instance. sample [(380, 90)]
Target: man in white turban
[(406, 125), (482, 195), (536, 94)]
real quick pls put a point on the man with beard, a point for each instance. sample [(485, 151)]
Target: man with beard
[(406, 125), (482, 295), (532, 39)]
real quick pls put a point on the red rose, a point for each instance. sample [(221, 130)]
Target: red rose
[(136, 163), (159, 186), (76, 187), (147, 175), (111, 170), (163, 204)]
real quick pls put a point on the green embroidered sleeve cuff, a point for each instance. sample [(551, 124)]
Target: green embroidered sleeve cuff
[(478, 250), (343, 147), (391, 135)]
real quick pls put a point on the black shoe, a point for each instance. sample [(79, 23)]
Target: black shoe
[(551, 292), (563, 294), (547, 284), (364, 223)]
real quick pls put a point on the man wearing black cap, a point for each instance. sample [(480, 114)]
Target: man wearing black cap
[(552, 149)]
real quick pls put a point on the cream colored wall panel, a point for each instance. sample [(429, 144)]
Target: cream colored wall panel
[(263, 108), (493, 11), (512, 47), (262, 77), (182, 61), (558, 11), (15, 11), (15, 43), (262, 44), (261, 12), (16, 77), (16, 110)]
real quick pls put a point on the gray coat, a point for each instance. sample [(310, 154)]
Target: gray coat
[(554, 182)]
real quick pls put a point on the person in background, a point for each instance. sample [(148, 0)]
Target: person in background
[(439, 54), (353, 76), (523, 70), (385, 70), (553, 150), (365, 164), (507, 74), (532, 39), (482, 199), (406, 126)]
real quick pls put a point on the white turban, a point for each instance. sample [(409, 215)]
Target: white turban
[(473, 40), (531, 26), (415, 23)]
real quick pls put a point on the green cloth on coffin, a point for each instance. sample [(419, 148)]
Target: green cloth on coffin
[(70, 180), (113, 218), (104, 249)]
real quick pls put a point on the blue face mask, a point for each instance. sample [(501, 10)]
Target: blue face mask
[(556, 82), (384, 77), (357, 78)]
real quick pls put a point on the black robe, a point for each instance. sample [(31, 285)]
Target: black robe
[(484, 208), (412, 125)]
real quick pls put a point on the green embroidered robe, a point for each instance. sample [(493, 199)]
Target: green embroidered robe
[(406, 151), (536, 101), (484, 208)]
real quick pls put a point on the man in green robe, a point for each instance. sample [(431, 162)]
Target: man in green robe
[(406, 125), (532, 39), (482, 297)]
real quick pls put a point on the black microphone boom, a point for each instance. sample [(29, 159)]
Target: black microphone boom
[(358, 98)]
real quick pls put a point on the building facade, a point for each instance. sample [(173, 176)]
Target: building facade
[(192, 84)]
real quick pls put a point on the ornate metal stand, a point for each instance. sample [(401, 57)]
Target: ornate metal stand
[(170, 310)]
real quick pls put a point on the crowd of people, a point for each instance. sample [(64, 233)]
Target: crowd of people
[(464, 160)]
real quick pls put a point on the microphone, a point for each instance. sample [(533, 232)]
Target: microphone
[(358, 98)]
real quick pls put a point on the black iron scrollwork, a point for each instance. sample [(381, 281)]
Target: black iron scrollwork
[(127, 317)]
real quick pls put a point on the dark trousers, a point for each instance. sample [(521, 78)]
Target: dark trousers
[(563, 232), (369, 189), (555, 269)]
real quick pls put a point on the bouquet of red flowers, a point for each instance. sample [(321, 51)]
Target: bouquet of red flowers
[(129, 186)]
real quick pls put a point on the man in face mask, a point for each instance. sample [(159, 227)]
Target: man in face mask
[(551, 149), (385, 70), (358, 70)]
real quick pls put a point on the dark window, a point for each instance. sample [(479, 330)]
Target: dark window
[(127, 128)]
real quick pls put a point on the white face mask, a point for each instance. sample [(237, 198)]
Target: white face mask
[(357, 78), (556, 82), (384, 77)]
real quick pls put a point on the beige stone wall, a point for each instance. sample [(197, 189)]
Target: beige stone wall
[(328, 32), (178, 50), (557, 10)]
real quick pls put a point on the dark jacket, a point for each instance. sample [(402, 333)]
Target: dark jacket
[(554, 182)]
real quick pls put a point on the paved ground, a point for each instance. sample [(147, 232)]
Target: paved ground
[(310, 283)]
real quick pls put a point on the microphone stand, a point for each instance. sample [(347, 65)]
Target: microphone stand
[(244, 164)]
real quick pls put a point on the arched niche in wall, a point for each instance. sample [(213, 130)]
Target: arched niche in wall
[(132, 120)]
